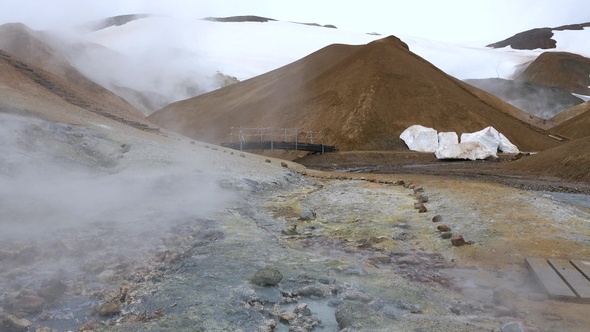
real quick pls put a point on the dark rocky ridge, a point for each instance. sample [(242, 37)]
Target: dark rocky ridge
[(536, 38)]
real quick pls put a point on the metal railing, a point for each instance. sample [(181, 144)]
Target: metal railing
[(296, 135)]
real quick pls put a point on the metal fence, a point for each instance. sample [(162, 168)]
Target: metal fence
[(272, 135)]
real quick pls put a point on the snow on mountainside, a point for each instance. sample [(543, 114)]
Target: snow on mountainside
[(178, 58)]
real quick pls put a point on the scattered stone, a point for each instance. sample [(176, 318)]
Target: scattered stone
[(307, 214), (302, 310), (110, 308), (290, 230), (456, 310), (46, 329), (29, 303), (437, 218), (242, 155), (457, 240), (268, 161), (512, 327), (51, 290), (284, 164), (90, 325), (418, 189), (287, 317), (418, 205), (267, 277), (422, 198), (13, 323), (317, 290), (422, 209), (444, 228), (446, 235), (400, 182)]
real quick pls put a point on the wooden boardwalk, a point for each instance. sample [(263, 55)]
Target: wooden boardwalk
[(562, 279)]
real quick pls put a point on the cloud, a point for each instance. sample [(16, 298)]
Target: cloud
[(454, 20)]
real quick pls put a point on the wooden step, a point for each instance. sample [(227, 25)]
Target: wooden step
[(562, 279)]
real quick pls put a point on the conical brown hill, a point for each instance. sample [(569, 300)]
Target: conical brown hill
[(28, 45), (360, 97)]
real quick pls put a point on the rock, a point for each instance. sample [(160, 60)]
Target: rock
[(307, 214), (422, 198), (446, 235), (318, 290), (512, 327), (418, 189), (507, 146), (90, 325), (267, 161), (13, 323), (355, 316), (437, 218), (287, 317), (420, 138), (302, 310), (46, 329), (502, 296), (465, 150), (284, 164), (267, 277), (457, 240), (422, 209), (29, 303), (447, 138), (418, 205), (51, 290), (443, 228), (488, 137), (290, 230), (109, 309)]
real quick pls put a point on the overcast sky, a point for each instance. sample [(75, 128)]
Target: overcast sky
[(450, 20)]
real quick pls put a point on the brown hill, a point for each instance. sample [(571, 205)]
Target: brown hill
[(569, 161), (27, 47), (23, 85), (575, 123), (361, 97), (564, 70)]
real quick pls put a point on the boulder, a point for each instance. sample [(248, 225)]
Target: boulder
[(464, 150), (492, 139), (507, 146), (447, 138), (488, 137), (420, 138)]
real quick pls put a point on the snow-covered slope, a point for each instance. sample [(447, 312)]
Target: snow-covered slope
[(177, 58)]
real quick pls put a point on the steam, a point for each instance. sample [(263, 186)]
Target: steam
[(54, 177)]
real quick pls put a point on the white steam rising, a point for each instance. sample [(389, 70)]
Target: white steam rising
[(57, 176)]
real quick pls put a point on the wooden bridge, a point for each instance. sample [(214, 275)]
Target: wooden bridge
[(277, 138)]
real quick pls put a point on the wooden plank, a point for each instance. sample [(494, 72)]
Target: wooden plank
[(583, 267), (549, 279), (575, 280)]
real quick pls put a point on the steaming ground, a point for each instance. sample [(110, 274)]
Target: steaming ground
[(166, 233)]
